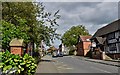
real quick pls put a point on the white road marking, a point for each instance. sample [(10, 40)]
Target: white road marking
[(61, 67), (64, 65), (68, 68)]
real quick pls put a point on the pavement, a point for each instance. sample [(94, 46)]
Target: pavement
[(112, 62), (44, 65)]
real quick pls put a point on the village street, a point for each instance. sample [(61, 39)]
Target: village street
[(72, 64), (60, 37)]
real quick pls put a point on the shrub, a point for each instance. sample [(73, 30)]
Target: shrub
[(23, 65), (71, 52)]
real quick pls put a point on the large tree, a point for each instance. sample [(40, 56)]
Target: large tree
[(32, 19), (70, 37), (10, 31)]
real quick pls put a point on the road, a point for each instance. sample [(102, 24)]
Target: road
[(71, 64)]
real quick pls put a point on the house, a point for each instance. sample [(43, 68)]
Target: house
[(107, 39), (83, 45)]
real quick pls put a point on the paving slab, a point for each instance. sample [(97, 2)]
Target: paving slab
[(46, 65)]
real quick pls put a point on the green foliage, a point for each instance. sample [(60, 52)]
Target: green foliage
[(24, 65), (24, 10), (0, 56), (45, 29), (70, 37), (31, 18), (71, 50), (10, 31)]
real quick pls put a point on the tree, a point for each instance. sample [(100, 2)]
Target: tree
[(46, 25), (70, 37), (32, 19), (10, 31), (24, 10)]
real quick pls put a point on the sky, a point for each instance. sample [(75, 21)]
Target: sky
[(93, 15)]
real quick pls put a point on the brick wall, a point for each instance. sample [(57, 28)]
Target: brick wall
[(114, 55), (80, 49), (83, 48), (16, 50), (85, 52), (86, 47)]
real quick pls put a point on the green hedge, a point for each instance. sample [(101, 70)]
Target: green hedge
[(24, 65)]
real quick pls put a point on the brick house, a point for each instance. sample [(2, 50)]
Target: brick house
[(107, 39), (83, 45)]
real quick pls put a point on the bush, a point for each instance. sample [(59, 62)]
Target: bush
[(36, 56), (71, 52), (23, 65)]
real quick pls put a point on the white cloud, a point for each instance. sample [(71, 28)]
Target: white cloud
[(91, 14)]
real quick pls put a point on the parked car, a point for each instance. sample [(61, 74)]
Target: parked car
[(60, 54)]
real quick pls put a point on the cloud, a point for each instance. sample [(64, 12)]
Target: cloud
[(91, 14), (78, 0), (102, 13)]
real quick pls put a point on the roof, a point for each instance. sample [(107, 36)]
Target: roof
[(114, 26), (85, 38), (16, 42)]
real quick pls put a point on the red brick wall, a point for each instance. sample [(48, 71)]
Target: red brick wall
[(86, 47), (85, 52), (83, 48), (16, 50), (96, 55)]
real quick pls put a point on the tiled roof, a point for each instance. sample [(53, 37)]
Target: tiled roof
[(85, 38), (114, 26)]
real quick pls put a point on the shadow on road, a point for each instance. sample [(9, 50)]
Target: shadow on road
[(45, 60)]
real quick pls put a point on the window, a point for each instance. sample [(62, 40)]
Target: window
[(112, 47), (119, 46), (111, 36), (119, 33)]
